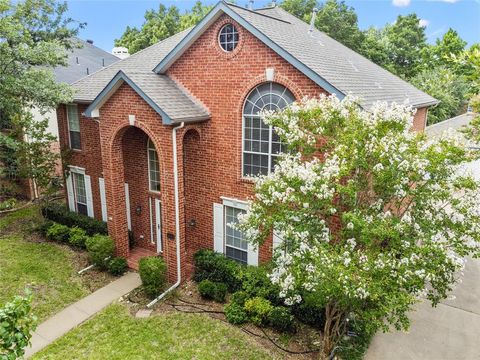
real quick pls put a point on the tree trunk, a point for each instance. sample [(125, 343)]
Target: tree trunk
[(333, 330)]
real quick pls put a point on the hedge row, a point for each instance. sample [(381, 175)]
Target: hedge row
[(100, 248), (61, 214)]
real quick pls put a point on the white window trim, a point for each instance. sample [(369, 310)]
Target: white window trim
[(252, 251), (68, 127), (269, 154), (148, 165), (88, 189), (235, 203)]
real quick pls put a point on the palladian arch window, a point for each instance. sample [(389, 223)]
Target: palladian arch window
[(153, 167), (261, 145)]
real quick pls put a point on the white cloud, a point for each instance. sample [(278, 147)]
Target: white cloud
[(424, 22), (449, 1), (401, 3)]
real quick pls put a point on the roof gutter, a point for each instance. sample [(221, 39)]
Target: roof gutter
[(177, 217)]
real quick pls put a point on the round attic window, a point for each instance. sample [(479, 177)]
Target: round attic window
[(228, 37)]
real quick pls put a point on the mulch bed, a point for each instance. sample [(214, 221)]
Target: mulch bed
[(298, 345)]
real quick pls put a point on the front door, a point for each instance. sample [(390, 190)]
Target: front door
[(158, 224)]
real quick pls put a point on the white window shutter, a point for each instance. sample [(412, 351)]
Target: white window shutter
[(88, 190), (70, 194), (277, 241), (218, 228), (127, 205), (252, 256), (103, 198)]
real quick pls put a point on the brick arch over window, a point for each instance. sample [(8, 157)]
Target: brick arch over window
[(260, 144)]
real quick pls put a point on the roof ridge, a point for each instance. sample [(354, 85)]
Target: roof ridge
[(131, 56), (255, 11)]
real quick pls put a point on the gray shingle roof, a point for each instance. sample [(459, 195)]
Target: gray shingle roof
[(169, 97), (325, 57), (89, 57), (141, 62), (342, 67)]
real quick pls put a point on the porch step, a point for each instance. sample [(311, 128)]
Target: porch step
[(136, 254)]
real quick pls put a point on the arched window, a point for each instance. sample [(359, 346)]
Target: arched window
[(153, 167), (261, 145)]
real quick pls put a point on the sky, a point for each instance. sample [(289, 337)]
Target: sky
[(107, 19)]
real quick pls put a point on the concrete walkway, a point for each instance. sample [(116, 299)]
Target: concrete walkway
[(451, 331), (75, 314)]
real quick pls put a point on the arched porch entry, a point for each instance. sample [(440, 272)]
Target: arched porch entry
[(134, 197)]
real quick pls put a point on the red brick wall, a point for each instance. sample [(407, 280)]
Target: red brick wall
[(209, 153), (420, 119), (222, 81), (90, 156)]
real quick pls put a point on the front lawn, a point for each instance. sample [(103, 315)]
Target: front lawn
[(48, 269), (115, 334)]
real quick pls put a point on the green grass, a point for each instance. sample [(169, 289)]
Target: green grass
[(115, 334), (46, 268)]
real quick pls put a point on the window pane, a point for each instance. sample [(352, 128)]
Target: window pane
[(82, 209), (154, 166), (72, 115), (75, 142), (79, 185), (237, 255)]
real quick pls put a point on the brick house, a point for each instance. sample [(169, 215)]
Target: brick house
[(168, 137)]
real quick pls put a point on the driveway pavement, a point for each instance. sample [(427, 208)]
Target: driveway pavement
[(451, 331)]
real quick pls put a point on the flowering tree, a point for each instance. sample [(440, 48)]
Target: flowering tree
[(373, 215)]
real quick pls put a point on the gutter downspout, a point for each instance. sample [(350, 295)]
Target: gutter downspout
[(177, 217)]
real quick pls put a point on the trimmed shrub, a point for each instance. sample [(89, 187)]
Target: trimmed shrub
[(239, 298), (153, 271), (258, 310), (117, 266), (99, 248), (58, 232), (256, 283), (280, 318), (220, 292), (210, 265), (61, 214), (212, 291), (235, 314), (77, 237), (206, 288), (44, 226)]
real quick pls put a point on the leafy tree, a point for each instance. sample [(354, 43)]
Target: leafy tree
[(300, 8), (335, 18), (399, 46), (468, 64), (16, 327), (444, 85), (374, 216), (35, 35), (444, 50), (160, 25)]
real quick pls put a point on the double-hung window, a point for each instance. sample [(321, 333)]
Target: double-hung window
[(80, 193), (153, 167), (227, 239), (73, 127), (261, 145), (236, 247)]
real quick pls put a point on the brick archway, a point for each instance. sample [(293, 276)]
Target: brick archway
[(125, 166)]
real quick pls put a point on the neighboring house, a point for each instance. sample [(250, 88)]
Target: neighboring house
[(168, 138), (81, 62), (457, 123)]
